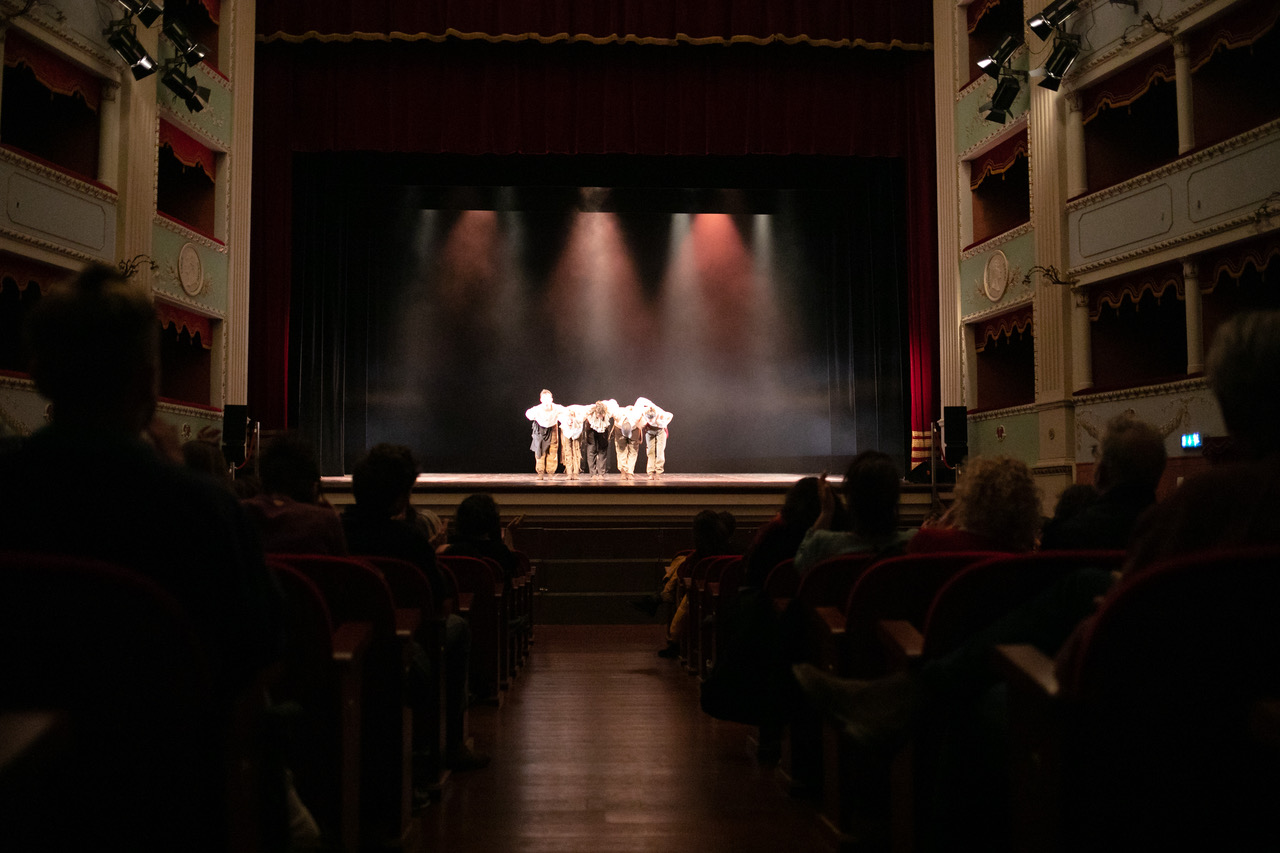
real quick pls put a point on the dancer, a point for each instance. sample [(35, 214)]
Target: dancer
[(546, 434), (626, 440), (653, 421), (572, 420), (596, 439)]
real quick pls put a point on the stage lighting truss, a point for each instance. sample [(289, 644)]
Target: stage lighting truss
[(992, 64), (191, 51), (123, 39), (1007, 87), (1052, 17), (1066, 49), (177, 78), (146, 11)]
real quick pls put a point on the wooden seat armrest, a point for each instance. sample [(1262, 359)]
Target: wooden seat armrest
[(1026, 668), (498, 589), (464, 601), (713, 588), (407, 621), (830, 620), (901, 640), (351, 640)]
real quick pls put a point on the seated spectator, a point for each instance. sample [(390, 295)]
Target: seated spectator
[(710, 539), (382, 484), (206, 456), (290, 513), (779, 538), (1131, 462), (1071, 501), (872, 485), (478, 533), (996, 508), (92, 346)]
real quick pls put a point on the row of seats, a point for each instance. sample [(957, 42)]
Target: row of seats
[(109, 713), (1166, 727), (355, 623)]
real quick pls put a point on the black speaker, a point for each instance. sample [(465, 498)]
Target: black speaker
[(955, 434), (235, 424)]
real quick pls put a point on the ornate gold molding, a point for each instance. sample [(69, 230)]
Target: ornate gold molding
[(56, 248), (194, 236), (1181, 386), (995, 242), (99, 192)]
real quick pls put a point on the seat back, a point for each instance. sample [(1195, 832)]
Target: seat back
[(901, 587), (481, 586), (409, 587), (828, 582), (782, 580), (1161, 691), (116, 656), (982, 592)]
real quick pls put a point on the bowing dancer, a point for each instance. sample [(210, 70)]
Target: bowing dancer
[(626, 440), (653, 420), (546, 434), (572, 420), (596, 436)]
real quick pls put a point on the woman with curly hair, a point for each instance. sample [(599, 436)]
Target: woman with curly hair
[(997, 508)]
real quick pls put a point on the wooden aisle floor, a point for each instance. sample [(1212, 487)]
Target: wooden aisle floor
[(600, 747)]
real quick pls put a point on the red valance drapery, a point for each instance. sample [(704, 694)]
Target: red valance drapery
[(25, 272), (188, 151), (906, 24), (1019, 321), (998, 160), (1240, 27), (1156, 281), (197, 325), (1127, 86), (213, 7), (1233, 260), (977, 9), (54, 73)]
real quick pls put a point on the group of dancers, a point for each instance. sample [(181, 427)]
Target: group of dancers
[(563, 432)]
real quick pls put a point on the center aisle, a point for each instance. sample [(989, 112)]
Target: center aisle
[(601, 747)]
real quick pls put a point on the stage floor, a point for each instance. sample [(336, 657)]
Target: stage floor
[(506, 482)]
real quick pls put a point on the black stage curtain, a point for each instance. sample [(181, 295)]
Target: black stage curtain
[(435, 295)]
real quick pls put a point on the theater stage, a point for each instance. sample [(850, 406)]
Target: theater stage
[(597, 544)]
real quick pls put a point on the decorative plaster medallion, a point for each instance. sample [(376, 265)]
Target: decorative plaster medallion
[(995, 278), (190, 270)]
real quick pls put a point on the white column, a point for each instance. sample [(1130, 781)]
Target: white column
[(950, 366), (240, 189), (1053, 340), (3, 31), (136, 176), (1082, 344), (1182, 85), (1195, 315), (109, 135), (1077, 167)]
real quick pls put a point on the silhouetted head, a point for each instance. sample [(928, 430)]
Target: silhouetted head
[(872, 484), (288, 466), (1242, 366), (383, 480), (996, 497), (1132, 454), (478, 518)]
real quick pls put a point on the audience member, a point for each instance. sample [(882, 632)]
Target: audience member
[(872, 485), (90, 484), (478, 533), (1129, 468), (290, 513), (996, 508), (710, 539), (382, 484), (779, 538), (206, 456)]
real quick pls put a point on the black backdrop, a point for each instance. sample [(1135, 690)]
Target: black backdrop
[(435, 295)]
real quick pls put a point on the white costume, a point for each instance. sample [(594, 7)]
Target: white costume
[(653, 420), (572, 420), (546, 435)]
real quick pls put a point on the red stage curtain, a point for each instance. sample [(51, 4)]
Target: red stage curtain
[(472, 96), (879, 25)]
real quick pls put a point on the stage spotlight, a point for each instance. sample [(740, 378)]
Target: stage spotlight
[(124, 40), (992, 64), (146, 11), (1065, 51), (191, 51), (1053, 15), (182, 84), (997, 109)]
